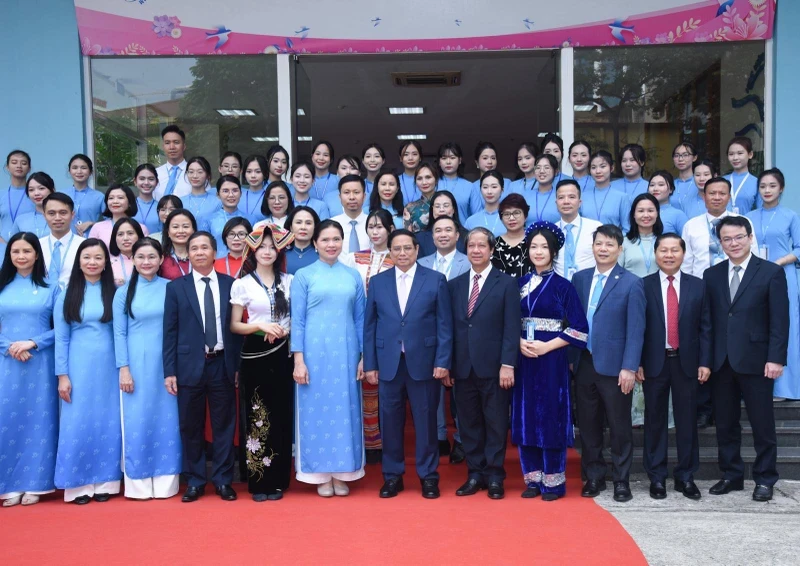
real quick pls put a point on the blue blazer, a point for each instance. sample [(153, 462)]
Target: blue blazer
[(460, 264), (184, 334), (425, 329), (490, 337), (619, 320)]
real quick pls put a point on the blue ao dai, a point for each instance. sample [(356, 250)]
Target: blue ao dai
[(328, 304), (151, 440), (250, 204), (147, 215), (607, 205), (631, 189), (90, 437), (29, 392), (744, 192), (216, 223), (32, 222), (89, 205), (673, 218), (461, 189), (201, 206), (13, 203)]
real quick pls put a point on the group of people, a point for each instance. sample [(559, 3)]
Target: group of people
[(323, 302)]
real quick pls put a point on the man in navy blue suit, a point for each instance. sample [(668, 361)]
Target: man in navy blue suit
[(408, 340), (606, 371), (201, 357)]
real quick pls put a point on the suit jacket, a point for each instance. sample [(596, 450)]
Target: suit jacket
[(490, 337), (694, 326), (753, 329), (619, 319), (425, 328), (184, 334), (460, 264)]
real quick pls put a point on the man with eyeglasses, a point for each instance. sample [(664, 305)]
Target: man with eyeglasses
[(749, 303), (577, 253), (60, 247), (704, 250)]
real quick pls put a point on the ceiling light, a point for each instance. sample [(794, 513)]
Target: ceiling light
[(406, 110), (301, 112), (583, 107), (304, 138), (232, 112), (404, 137), (264, 139), (543, 134)]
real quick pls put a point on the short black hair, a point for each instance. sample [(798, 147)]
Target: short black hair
[(58, 197), (233, 223), (403, 232), (568, 183), (670, 236), (202, 234), (353, 179), (714, 180), (443, 218), (609, 231), (173, 129), (325, 224), (741, 221), (113, 248)]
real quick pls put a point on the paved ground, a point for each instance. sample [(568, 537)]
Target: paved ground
[(720, 530)]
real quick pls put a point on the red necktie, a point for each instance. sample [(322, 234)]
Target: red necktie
[(473, 295), (672, 314)]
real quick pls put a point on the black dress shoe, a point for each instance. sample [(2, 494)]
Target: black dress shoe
[(392, 487), (592, 488), (102, 497), (762, 493), (259, 497), (531, 492), (277, 496), (193, 493), (472, 487), (430, 489), (622, 491), (657, 490), (688, 489), (374, 456), (726, 486), (496, 490), (226, 492), (703, 421), (82, 500), (551, 496), (457, 454), (444, 448)]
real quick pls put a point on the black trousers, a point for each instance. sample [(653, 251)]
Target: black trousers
[(598, 395), (483, 407), (705, 405), (219, 390), (729, 388), (656, 415)]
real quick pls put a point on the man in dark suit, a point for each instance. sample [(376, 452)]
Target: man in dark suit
[(606, 371), (201, 357), (408, 344), (486, 316), (750, 319), (676, 358)]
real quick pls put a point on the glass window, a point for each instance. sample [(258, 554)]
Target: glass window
[(660, 95), (134, 98)]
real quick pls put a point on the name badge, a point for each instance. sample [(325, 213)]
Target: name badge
[(736, 210), (763, 251), (530, 330), (78, 223)]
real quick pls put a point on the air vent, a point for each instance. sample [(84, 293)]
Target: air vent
[(427, 80)]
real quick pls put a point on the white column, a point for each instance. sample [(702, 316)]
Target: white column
[(769, 103), (88, 108), (286, 120), (567, 104)]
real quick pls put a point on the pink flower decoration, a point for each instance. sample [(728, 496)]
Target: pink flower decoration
[(175, 21), (162, 26), (87, 48), (751, 28)]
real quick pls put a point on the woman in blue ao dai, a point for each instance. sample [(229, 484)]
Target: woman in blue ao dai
[(777, 230), (28, 395), (151, 440), (541, 414), (90, 436), (39, 187), (327, 314)]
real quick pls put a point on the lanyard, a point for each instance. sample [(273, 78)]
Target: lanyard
[(19, 203), (571, 253), (585, 182), (525, 184), (247, 208), (228, 266), (152, 202), (648, 258), (539, 214), (486, 221), (304, 203), (765, 227), (36, 224), (536, 300), (735, 194), (324, 189), (64, 253), (193, 198), (124, 270), (594, 194), (178, 263), (625, 184), (78, 202)]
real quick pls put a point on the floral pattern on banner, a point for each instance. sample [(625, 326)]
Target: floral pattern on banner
[(258, 431), (111, 34)]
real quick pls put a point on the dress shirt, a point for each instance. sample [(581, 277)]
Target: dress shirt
[(200, 288), (664, 286), (448, 262), (481, 281), (69, 251), (402, 295), (182, 186), (602, 283), (743, 265), (582, 232), (696, 234), (361, 230)]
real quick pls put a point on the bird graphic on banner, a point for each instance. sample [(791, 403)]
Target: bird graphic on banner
[(221, 35), (617, 28), (458, 23), (724, 5), (375, 22), (303, 32), (528, 22)]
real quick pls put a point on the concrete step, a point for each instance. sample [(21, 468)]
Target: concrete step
[(788, 435), (784, 411)]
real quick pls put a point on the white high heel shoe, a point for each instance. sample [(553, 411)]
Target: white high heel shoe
[(340, 488), (325, 489)]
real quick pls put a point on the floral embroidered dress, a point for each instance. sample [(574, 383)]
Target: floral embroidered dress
[(415, 217), (509, 259), (541, 414)]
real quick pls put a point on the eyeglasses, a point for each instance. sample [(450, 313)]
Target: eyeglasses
[(511, 214), (543, 168), (237, 235), (738, 239), (443, 206), (682, 155)]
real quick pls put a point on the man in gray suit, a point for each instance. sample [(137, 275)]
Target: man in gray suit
[(452, 263)]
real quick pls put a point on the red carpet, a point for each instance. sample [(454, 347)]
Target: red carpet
[(303, 528)]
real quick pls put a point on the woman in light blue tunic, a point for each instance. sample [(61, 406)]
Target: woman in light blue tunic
[(541, 197), (387, 195), (90, 437), (29, 417), (777, 230), (744, 185), (13, 200), (451, 168), (200, 202), (39, 186), (631, 163), (602, 202), (662, 186), (302, 176), (89, 203), (145, 179), (327, 337), (151, 440)]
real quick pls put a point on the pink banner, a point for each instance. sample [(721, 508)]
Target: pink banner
[(132, 32)]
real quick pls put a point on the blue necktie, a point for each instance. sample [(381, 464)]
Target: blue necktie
[(55, 265), (354, 247), (570, 248), (595, 298), (173, 179)]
